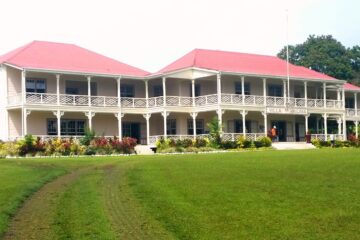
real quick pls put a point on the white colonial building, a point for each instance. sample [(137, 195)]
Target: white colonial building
[(57, 90)]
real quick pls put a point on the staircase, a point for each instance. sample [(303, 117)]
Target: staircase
[(292, 145), (143, 150)]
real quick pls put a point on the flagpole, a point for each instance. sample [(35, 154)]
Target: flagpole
[(287, 56)]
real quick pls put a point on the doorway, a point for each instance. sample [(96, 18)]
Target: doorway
[(133, 130), (280, 130)]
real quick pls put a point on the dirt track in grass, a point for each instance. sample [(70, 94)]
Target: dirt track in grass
[(37, 218)]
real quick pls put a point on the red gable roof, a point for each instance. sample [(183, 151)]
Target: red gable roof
[(67, 57), (241, 63), (351, 87)]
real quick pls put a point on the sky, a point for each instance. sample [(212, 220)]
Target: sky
[(151, 34)]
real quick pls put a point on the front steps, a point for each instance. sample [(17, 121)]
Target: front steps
[(143, 150), (292, 145)]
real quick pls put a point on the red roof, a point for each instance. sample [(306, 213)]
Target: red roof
[(351, 87), (67, 57), (241, 63)]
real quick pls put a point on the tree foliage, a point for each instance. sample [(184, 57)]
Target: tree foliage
[(326, 55)]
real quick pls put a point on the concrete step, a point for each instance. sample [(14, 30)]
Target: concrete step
[(143, 150), (292, 145)]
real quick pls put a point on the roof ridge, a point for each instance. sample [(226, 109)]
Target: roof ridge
[(235, 52)]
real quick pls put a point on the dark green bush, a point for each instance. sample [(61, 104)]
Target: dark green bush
[(229, 145)]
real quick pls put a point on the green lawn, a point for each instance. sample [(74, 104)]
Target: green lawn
[(310, 194)]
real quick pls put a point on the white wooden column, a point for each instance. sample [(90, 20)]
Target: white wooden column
[(339, 121), (219, 114), (338, 95), (265, 122), (193, 91), (147, 117), (165, 114), (23, 87), (89, 89), (25, 113), (194, 115), (355, 104), (58, 89), (325, 126), (343, 98), (307, 123), (147, 93), (284, 91), (90, 115), (118, 87), (324, 94), (243, 115), (243, 89), (356, 129), (264, 90), (344, 127), (218, 87), (58, 114), (305, 94), (119, 117), (164, 90)]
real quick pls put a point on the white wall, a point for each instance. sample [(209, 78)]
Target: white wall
[(3, 102)]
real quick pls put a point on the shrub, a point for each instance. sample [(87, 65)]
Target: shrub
[(88, 137), (338, 144), (26, 146), (229, 144), (215, 132), (200, 142), (265, 141), (185, 143), (316, 142)]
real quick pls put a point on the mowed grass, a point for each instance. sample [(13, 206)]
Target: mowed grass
[(248, 195), (255, 195)]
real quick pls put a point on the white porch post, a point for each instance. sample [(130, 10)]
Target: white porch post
[(339, 121), (23, 87), (58, 89), (194, 115), (119, 117), (219, 114), (89, 89), (305, 93), (118, 87), (147, 117), (338, 95), (325, 125), (355, 104), (147, 93), (356, 129), (265, 122), (284, 91), (324, 94), (193, 91), (243, 115), (243, 89), (164, 90), (344, 127), (264, 90), (165, 114), (25, 113), (218, 87), (90, 115), (58, 115), (307, 123), (343, 98)]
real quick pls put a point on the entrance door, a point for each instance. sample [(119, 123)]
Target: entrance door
[(132, 130), (299, 132), (280, 130)]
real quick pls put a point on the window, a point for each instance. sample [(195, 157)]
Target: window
[(171, 127), (349, 103), (158, 91), (238, 88), (35, 85), (275, 90), (72, 91), (68, 127), (127, 91), (197, 90), (238, 127), (199, 126)]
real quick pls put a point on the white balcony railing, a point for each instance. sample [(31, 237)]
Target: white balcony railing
[(323, 137), (175, 101)]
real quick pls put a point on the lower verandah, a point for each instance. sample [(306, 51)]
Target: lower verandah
[(290, 128)]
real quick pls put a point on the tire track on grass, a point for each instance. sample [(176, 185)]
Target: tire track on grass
[(129, 220), (35, 219)]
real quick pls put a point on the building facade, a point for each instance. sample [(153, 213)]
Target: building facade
[(59, 90)]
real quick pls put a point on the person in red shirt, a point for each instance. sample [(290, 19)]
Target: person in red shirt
[(273, 133)]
